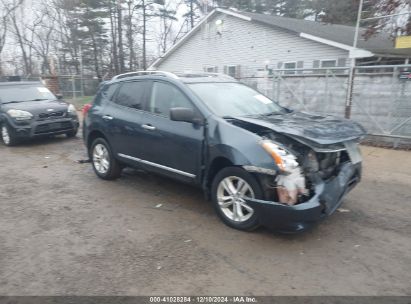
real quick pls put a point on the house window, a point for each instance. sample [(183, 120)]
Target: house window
[(328, 63), (290, 66), (232, 70), (211, 69)]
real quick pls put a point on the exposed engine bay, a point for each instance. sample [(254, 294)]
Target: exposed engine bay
[(312, 161), (296, 186)]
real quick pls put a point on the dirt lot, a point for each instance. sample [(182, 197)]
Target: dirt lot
[(63, 231)]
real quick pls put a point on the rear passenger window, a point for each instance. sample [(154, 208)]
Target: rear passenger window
[(131, 95), (165, 97)]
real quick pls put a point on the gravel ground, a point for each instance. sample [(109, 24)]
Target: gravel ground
[(63, 231)]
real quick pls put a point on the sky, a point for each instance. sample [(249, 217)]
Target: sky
[(30, 7)]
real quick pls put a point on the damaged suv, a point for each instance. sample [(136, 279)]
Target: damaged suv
[(260, 163)]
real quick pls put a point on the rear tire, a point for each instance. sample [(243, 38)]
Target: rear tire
[(7, 136), (230, 186), (102, 159)]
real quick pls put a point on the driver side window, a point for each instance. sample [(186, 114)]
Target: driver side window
[(165, 97)]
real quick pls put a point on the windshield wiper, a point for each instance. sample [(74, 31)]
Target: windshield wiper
[(13, 101), (18, 101), (272, 114)]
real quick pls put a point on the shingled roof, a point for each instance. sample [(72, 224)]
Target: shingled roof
[(379, 44), (340, 36)]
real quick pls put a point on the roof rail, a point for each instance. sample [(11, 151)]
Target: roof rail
[(142, 73), (205, 74)]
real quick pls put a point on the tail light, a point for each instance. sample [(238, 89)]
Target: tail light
[(86, 108)]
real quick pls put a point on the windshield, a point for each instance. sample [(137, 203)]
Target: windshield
[(235, 99), (23, 93)]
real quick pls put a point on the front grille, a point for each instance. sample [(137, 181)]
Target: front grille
[(53, 127), (52, 115)]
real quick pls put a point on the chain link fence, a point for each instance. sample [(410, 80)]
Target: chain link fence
[(73, 87), (381, 99)]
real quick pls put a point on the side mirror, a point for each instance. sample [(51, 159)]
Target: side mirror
[(184, 114), (59, 96)]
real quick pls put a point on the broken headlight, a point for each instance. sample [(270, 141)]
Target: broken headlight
[(284, 159)]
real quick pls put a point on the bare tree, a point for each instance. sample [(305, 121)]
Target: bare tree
[(42, 30), (23, 37), (167, 16), (114, 62), (120, 35), (6, 8)]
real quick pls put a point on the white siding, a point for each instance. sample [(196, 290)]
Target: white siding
[(247, 44)]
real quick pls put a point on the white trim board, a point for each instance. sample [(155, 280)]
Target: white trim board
[(354, 52)]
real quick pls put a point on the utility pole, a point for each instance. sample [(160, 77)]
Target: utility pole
[(350, 88)]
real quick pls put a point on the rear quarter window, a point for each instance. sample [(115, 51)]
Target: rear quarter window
[(106, 93), (111, 91)]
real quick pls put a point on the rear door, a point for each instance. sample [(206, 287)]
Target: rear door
[(170, 147), (123, 115)]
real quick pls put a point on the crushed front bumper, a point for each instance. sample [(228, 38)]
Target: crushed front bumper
[(327, 198)]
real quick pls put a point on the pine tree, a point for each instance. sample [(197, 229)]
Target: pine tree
[(87, 28)]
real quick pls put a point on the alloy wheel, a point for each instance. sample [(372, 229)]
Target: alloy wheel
[(101, 159), (231, 194)]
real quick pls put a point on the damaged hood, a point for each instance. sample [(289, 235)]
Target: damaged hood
[(322, 130)]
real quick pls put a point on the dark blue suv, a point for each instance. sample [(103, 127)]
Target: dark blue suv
[(260, 163)]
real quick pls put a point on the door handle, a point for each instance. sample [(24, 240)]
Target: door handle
[(107, 117), (148, 127)]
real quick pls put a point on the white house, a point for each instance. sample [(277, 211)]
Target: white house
[(242, 44)]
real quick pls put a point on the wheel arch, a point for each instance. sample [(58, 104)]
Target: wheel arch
[(216, 165), (93, 136)]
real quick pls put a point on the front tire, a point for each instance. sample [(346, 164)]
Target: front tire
[(7, 136), (72, 133), (104, 164), (229, 189)]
